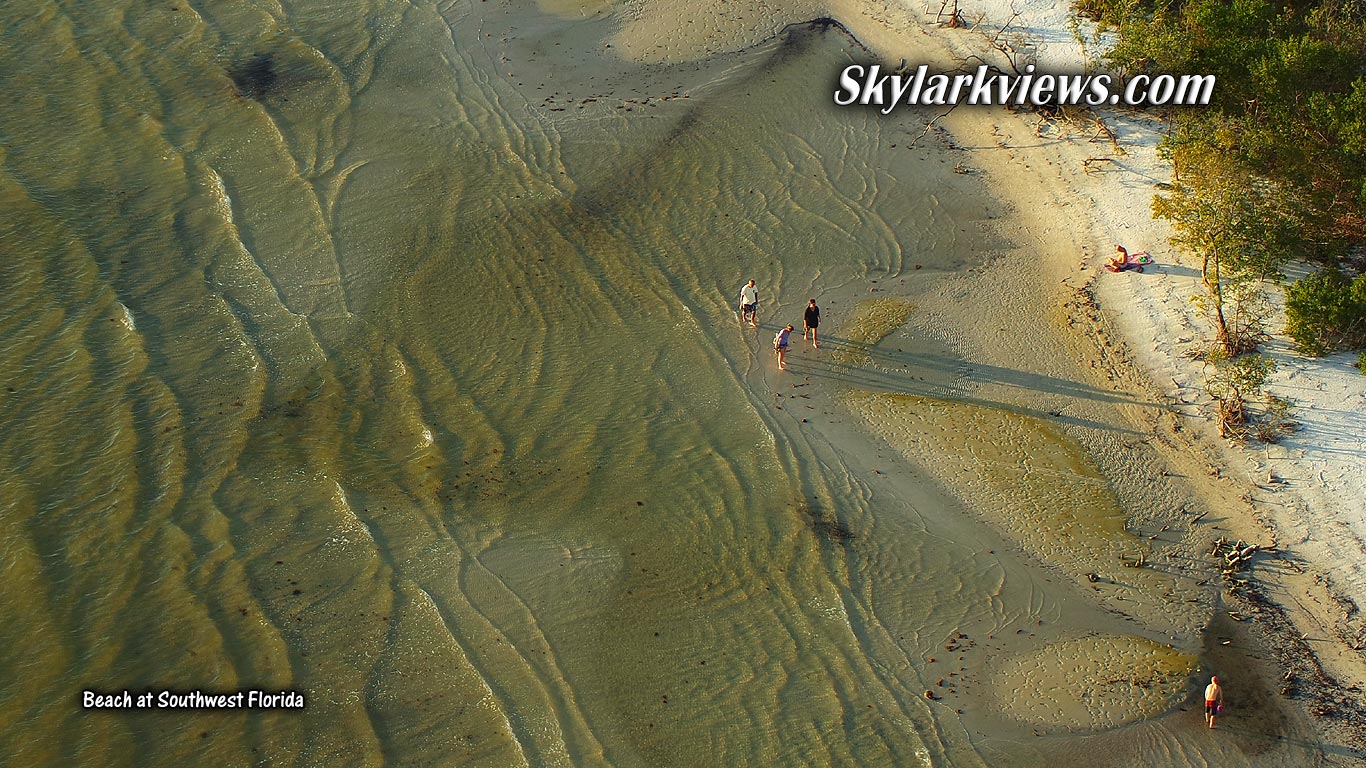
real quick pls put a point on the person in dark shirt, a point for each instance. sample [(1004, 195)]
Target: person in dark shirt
[(810, 320)]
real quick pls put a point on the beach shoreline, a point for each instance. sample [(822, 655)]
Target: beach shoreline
[(1300, 601), (1084, 188), (389, 355)]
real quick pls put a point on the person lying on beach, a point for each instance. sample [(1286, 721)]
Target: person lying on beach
[(1126, 260), (780, 345)]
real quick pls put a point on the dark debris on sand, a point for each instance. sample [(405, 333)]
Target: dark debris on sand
[(826, 525)]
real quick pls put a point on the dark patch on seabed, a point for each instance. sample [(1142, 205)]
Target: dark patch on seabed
[(798, 37), (826, 525), (600, 202), (256, 77)]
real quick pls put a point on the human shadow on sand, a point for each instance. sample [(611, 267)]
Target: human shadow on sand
[(942, 376)]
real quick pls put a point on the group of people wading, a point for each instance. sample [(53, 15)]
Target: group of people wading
[(749, 312)]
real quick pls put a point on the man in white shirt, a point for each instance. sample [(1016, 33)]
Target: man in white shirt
[(749, 304)]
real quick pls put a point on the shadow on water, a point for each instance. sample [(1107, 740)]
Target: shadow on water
[(601, 201), (1257, 741), (269, 74), (256, 77)]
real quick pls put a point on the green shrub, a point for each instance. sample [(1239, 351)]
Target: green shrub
[(1277, 420), (1109, 13), (1232, 382), (1236, 378), (1326, 312), (1361, 363)]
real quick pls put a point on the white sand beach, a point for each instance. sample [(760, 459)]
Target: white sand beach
[(1310, 487)]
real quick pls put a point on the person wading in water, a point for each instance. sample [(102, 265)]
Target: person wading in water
[(810, 320), (749, 304), (780, 346)]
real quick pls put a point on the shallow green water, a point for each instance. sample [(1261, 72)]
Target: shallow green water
[(335, 358), (335, 362)]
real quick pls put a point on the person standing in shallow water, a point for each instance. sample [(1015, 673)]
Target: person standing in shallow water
[(780, 345), (749, 304), (810, 320), (1214, 700)]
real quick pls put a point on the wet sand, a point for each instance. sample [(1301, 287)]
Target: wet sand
[(475, 452), (1110, 664), (1033, 343)]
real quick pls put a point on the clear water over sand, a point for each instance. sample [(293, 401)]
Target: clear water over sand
[(387, 352)]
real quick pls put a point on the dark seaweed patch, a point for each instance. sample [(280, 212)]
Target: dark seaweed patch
[(256, 77), (826, 525)]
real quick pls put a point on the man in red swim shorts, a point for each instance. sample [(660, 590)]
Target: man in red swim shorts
[(1214, 700)]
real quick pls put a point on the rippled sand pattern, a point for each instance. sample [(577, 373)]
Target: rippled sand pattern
[(1017, 472), (871, 322), (657, 32), (1095, 682), (342, 355), (387, 351)]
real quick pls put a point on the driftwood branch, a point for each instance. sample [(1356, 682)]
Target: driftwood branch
[(1089, 164), (955, 17), (1014, 50), (1103, 129), (1013, 16), (931, 124)]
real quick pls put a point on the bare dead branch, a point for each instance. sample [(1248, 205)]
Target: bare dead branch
[(1003, 29), (930, 125), (1089, 164)]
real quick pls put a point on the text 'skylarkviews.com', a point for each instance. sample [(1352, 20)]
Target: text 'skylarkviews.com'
[(867, 85)]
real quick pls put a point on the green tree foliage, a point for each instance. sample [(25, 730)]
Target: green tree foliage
[(1236, 378), (1326, 312), (1233, 381), (1242, 228), (1275, 167), (1235, 221), (1290, 100)]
